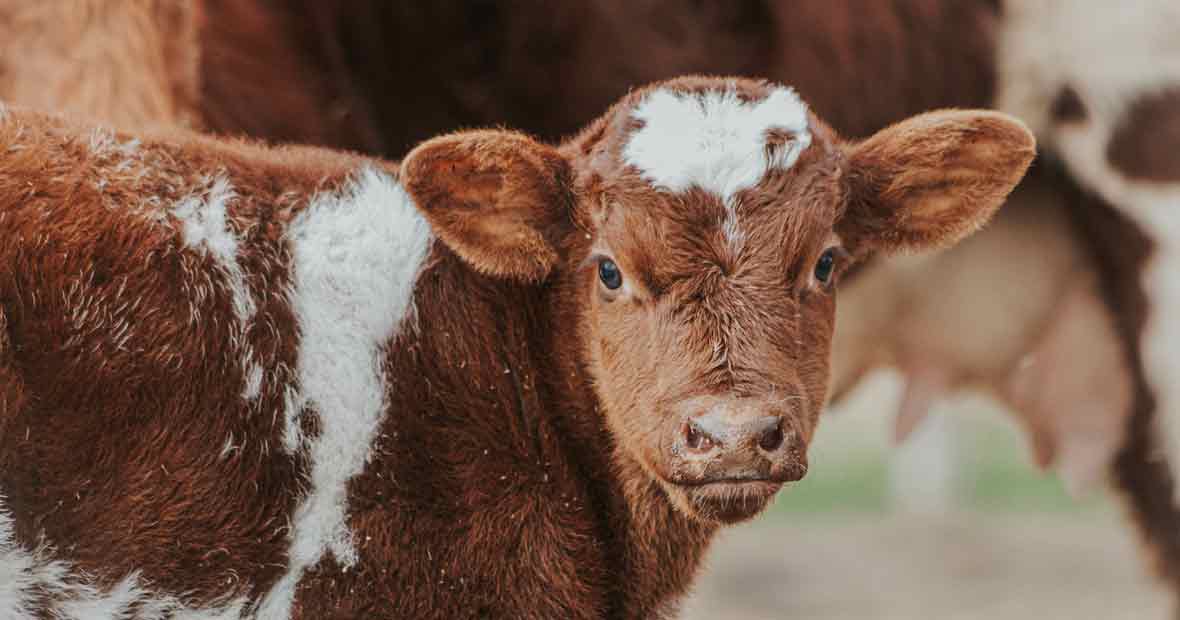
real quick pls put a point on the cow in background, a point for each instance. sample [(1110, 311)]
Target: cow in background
[(129, 63)]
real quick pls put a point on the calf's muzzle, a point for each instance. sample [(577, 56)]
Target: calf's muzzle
[(737, 440)]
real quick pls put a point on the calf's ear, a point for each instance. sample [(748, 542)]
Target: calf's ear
[(933, 179), (498, 199)]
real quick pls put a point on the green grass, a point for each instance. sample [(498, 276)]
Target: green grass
[(850, 467), (853, 486)]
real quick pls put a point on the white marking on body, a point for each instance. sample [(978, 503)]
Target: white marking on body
[(1111, 54), (205, 221), (715, 141), (103, 143), (253, 381), (31, 583), (356, 255)]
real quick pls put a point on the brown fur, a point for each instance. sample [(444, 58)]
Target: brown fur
[(861, 65), (454, 177), (551, 68), (972, 160), (93, 317), (527, 420), (265, 74)]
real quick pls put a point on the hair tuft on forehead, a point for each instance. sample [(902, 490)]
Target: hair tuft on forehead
[(715, 139)]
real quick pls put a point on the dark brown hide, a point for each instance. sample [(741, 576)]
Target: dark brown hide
[(364, 68)]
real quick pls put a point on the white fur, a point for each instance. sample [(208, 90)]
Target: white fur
[(357, 255), (205, 222), (715, 141), (31, 581), (103, 143), (1111, 53)]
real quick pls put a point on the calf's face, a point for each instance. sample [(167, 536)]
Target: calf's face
[(697, 232)]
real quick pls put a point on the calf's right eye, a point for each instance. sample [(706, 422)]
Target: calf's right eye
[(609, 273), (825, 266)]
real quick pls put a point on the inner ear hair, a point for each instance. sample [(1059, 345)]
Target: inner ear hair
[(933, 179), (498, 199)]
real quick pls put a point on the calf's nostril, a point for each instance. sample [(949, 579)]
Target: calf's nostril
[(697, 439), (771, 438)]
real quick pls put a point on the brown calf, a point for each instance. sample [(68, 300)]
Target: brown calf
[(1098, 81), (241, 382)]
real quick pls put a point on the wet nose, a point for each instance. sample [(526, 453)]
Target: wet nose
[(712, 432), (738, 439)]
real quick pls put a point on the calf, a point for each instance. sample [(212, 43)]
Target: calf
[(504, 380)]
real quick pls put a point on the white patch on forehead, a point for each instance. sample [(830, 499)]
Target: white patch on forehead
[(205, 225), (714, 140), (1110, 53), (32, 584), (356, 255)]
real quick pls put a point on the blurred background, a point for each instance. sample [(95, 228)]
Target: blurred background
[(956, 523)]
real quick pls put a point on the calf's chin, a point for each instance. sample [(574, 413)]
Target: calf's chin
[(724, 502)]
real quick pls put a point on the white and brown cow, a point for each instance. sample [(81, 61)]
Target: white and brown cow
[(506, 380), (1100, 83)]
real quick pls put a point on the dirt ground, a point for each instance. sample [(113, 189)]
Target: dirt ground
[(972, 566)]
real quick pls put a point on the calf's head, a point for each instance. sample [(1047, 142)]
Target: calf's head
[(695, 233)]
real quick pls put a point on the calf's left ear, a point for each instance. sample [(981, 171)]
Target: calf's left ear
[(498, 199), (933, 179)]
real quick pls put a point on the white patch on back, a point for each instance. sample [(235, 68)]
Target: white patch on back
[(205, 222), (357, 255), (104, 144), (715, 141), (31, 583), (1110, 53)]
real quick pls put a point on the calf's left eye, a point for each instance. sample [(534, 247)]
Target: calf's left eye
[(825, 266), (609, 273)]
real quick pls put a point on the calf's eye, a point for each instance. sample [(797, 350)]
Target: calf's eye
[(609, 273), (825, 265)]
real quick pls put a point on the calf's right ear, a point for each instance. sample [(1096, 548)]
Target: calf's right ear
[(497, 198), (933, 179)]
